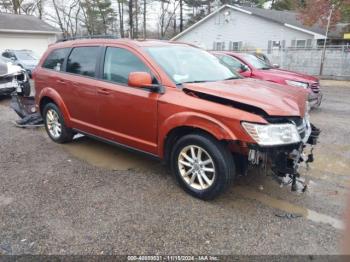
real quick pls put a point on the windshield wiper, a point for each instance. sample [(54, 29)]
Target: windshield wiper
[(231, 78), (195, 81)]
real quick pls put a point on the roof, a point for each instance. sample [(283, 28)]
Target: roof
[(25, 24), (285, 18), (122, 41)]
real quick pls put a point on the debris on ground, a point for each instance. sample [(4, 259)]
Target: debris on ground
[(25, 108), (288, 215)]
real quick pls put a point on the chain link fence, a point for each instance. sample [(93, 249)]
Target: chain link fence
[(308, 60)]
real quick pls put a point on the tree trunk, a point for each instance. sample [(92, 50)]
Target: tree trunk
[(144, 18), (121, 17), (181, 16), (60, 24), (131, 25), (136, 32)]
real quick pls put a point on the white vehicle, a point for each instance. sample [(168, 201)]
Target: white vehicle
[(13, 78)]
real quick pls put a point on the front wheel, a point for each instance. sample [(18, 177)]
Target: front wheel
[(54, 124), (203, 166)]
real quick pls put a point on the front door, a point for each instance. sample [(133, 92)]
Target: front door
[(127, 115)]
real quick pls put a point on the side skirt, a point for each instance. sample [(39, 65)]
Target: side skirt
[(113, 143)]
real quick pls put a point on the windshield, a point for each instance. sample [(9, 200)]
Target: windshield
[(26, 56), (256, 62), (185, 64)]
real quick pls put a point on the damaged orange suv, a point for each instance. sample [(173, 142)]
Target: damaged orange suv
[(175, 102)]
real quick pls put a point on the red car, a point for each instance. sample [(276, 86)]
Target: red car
[(249, 65)]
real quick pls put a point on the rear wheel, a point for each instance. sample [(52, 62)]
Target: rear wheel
[(55, 126), (203, 166)]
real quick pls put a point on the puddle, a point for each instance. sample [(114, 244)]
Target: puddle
[(290, 208), (107, 156)]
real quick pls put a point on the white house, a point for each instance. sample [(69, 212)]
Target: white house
[(249, 28), (25, 32)]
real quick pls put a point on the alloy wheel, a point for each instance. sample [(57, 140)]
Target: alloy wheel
[(196, 167), (53, 124)]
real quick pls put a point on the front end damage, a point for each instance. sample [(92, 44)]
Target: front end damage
[(284, 161), (14, 81), (281, 145), (12, 78)]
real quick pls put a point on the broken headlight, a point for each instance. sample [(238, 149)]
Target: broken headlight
[(272, 134)]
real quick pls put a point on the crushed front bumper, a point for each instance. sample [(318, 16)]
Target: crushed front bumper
[(284, 161)]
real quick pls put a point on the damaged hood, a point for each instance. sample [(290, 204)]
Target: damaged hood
[(9, 69), (274, 99)]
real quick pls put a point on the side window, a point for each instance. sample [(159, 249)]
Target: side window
[(55, 59), (6, 54), (82, 61), (232, 62), (119, 63)]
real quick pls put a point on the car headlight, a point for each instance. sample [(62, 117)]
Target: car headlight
[(297, 84), (272, 134)]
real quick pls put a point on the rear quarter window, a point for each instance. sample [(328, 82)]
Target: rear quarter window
[(55, 59), (83, 60)]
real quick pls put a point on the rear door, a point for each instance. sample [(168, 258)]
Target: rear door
[(127, 115), (79, 87)]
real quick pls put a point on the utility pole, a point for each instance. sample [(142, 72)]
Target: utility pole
[(325, 40)]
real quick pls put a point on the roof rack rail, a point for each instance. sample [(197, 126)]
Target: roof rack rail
[(87, 37)]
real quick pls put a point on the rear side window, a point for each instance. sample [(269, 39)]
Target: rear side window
[(82, 61), (119, 63), (55, 59)]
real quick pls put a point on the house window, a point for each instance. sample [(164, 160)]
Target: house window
[(301, 43), (219, 46), (235, 46), (276, 44)]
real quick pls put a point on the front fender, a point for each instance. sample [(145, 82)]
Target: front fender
[(52, 94), (195, 120)]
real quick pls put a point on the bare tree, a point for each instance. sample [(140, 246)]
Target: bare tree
[(167, 13)]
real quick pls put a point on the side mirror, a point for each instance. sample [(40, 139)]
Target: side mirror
[(139, 79), (244, 68), (143, 80), (276, 66)]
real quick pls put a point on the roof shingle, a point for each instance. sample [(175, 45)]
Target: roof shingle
[(14, 22)]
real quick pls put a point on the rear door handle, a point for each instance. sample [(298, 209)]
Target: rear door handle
[(103, 91), (59, 81)]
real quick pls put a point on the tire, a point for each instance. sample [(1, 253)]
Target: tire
[(215, 155), (26, 89), (51, 111)]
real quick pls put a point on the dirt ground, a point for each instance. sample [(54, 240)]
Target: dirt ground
[(92, 198)]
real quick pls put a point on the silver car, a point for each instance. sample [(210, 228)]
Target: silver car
[(13, 78)]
